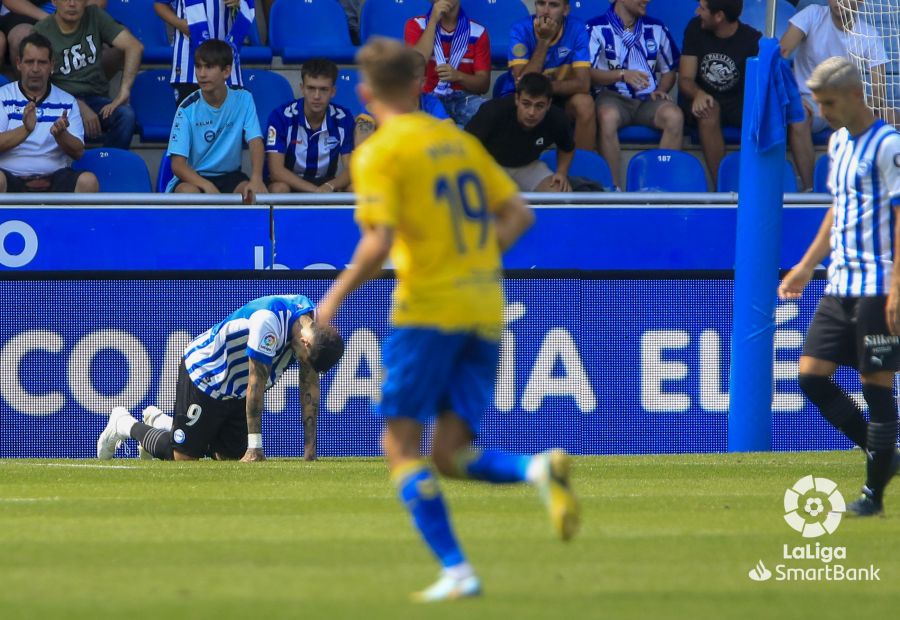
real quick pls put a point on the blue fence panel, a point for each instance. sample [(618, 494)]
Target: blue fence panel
[(596, 365), (184, 238)]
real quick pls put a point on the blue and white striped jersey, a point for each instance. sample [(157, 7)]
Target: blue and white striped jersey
[(865, 182), (209, 19), (609, 52), (313, 154), (218, 360), (39, 153)]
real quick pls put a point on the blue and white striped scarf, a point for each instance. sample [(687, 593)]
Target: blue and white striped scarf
[(458, 46), (635, 59)]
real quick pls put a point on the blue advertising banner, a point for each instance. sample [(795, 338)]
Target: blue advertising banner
[(597, 366), (231, 237)]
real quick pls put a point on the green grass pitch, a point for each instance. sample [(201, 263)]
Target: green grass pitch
[(662, 537)]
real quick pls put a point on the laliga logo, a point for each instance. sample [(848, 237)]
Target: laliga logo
[(814, 506)]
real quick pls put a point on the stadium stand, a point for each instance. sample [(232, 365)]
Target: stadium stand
[(820, 174), (587, 164), (165, 173), (269, 90), (255, 53), (729, 174), (138, 16), (153, 101), (500, 83), (662, 170), (387, 18), (329, 38), (636, 134), (755, 15), (116, 170), (346, 91), (497, 16), (588, 9), (675, 14)]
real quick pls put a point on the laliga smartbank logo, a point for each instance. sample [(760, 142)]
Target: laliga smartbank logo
[(813, 507)]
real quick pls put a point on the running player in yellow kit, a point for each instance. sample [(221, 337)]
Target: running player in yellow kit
[(433, 199)]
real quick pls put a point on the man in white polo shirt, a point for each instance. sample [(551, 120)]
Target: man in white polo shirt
[(818, 33), (40, 128)]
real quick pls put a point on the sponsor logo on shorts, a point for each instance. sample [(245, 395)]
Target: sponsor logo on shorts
[(178, 436)]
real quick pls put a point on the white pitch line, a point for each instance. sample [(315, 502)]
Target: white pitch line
[(88, 465), (18, 500)]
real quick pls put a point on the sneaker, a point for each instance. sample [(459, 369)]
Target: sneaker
[(553, 486), (865, 506), (448, 588), (113, 435)]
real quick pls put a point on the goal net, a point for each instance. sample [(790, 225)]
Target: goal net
[(873, 34)]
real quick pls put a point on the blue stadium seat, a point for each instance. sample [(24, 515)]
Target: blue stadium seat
[(637, 134), (140, 18), (729, 174), (820, 174), (154, 106), (502, 81), (116, 169), (346, 91), (255, 53), (269, 90), (662, 170), (589, 9), (755, 15), (675, 14), (586, 164), (387, 18), (165, 173), (498, 17), (329, 36)]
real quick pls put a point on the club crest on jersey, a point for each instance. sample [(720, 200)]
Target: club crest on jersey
[(562, 52), (331, 143), (864, 167), (178, 436), (651, 46)]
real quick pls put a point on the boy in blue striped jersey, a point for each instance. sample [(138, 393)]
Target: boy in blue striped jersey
[(857, 322), (221, 381)]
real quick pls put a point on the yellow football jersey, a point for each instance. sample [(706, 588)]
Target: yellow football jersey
[(438, 188)]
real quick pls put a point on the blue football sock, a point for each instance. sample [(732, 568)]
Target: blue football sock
[(492, 465), (421, 494)]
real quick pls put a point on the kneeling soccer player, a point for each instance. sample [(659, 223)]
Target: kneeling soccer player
[(221, 381)]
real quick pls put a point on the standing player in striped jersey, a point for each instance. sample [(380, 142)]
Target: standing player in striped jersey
[(433, 198), (222, 378), (194, 22), (857, 323)]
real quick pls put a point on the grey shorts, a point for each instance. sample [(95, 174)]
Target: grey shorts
[(528, 177), (631, 111), (818, 123)]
